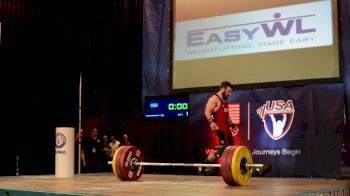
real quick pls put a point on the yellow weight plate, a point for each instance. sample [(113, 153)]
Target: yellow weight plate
[(240, 172), (115, 161)]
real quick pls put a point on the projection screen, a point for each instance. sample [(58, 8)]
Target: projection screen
[(253, 42)]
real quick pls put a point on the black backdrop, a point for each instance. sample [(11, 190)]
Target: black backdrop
[(44, 47)]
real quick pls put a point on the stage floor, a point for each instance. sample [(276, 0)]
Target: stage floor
[(161, 184)]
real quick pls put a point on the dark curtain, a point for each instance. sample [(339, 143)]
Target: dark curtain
[(44, 46), (156, 48), (345, 46), (345, 41)]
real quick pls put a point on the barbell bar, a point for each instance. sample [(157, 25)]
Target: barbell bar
[(236, 164), (249, 165)]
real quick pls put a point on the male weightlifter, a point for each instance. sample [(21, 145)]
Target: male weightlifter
[(217, 114)]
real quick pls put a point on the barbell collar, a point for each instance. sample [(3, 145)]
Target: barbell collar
[(255, 165)]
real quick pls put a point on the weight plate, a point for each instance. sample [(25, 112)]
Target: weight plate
[(241, 174), (226, 163), (114, 162), (126, 170)]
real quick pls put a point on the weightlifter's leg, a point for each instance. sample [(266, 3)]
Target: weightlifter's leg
[(213, 156)]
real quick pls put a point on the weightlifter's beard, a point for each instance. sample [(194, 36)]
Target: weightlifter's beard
[(224, 97)]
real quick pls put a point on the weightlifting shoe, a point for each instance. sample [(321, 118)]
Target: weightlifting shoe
[(201, 171), (209, 171), (205, 171)]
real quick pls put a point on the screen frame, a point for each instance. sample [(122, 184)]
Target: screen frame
[(285, 83)]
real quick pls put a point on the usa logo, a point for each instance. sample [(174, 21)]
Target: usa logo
[(277, 116)]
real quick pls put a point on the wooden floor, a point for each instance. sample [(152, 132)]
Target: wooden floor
[(161, 184)]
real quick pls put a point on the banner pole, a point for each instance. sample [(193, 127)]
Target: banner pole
[(80, 131)]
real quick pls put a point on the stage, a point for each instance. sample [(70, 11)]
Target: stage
[(161, 184)]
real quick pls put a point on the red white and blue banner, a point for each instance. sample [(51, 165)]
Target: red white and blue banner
[(295, 129)]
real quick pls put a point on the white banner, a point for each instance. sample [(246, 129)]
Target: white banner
[(64, 165)]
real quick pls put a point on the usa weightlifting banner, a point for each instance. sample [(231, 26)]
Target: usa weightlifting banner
[(295, 129)]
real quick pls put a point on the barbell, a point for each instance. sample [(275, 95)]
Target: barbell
[(236, 164)]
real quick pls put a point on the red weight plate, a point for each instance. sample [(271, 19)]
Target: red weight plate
[(127, 171), (226, 165)]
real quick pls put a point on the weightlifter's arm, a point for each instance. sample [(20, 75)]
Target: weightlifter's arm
[(208, 112)]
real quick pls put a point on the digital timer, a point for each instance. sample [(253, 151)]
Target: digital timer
[(177, 106), (168, 107)]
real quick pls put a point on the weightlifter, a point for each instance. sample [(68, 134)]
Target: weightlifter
[(217, 114)]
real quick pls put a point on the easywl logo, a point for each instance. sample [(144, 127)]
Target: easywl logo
[(268, 28)]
